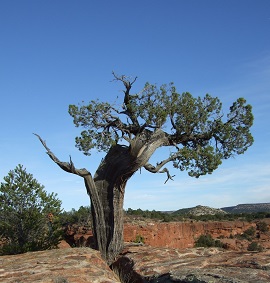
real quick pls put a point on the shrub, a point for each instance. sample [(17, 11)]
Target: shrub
[(262, 226), (139, 239), (254, 246), (208, 241), (82, 216), (28, 215), (250, 232)]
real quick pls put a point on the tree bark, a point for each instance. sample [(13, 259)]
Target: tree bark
[(107, 188), (108, 192)]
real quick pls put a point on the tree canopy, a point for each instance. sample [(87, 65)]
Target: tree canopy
[(197, 131), (28, 214), (196, 128)]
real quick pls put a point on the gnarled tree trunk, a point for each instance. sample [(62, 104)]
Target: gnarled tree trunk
[(107, 199), (106, 189)]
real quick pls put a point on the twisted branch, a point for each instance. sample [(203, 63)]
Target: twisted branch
[(149, 167), (66, 166)]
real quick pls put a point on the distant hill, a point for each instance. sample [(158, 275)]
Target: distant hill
[(199, 210), (248, 208)]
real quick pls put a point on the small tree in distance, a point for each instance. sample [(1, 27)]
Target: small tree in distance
[(27, 214), (196, 130)]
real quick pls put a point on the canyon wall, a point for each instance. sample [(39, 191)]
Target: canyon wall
[(177, 235), (181, 234)]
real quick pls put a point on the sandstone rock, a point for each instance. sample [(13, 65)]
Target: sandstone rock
[(77, 265), (177, 235), (147, 264), (77, 236), (63, 245), (182, 234)]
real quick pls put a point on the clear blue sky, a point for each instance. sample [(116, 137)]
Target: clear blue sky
[(56, 53)]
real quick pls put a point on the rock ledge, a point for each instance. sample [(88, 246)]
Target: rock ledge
[(72, 265)]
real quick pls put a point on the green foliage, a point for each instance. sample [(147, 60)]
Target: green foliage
[(210, 217), (200, 135), (254, 246), (24, 210), (93, 117), (153, 104), (177, 216), (139, 239), (251, 216), (248, 234), (207, 241), (82, 216), (158, 215), (250, 231), (262, 226), (213, 138)]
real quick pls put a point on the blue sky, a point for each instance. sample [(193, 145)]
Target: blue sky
[(56, 53)]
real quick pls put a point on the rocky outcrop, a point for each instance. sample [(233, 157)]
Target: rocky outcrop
[(137, 264), (163, 258), (199, 210), (147, 264), (76, 265)]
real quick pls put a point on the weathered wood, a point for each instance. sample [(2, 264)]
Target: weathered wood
[(107, 188)]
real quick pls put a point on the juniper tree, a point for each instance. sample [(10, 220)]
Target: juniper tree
[(197, 131)]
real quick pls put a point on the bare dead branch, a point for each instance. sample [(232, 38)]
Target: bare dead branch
[(66, 166), (124, 79), (149, 167), (128, 85), (169, 177)]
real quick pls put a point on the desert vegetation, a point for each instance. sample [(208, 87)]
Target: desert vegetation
[(81, 217), (255, 247), (208, 241), (171, 216), (34, 196), (195, 129), (29, 216)]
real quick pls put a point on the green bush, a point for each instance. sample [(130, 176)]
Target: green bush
[(262, 226), (254, 246), (82, 216), (28, 215), (207, 241), (157, 215), (139, 239), (250, 232)]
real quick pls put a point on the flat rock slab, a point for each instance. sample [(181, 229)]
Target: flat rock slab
[(200, 265), (77, 265)]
